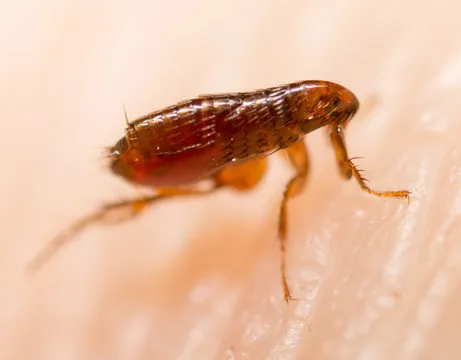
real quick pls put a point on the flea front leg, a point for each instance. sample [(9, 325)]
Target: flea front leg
[(348, 169)]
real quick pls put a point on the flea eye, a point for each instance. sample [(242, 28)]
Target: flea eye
[(335, 101)]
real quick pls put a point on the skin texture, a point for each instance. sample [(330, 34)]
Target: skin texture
[(193, 278)]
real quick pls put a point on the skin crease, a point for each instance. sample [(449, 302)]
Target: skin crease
[(193, 278)]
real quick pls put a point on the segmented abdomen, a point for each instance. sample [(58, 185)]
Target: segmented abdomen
[(230, 127), (265, 122)]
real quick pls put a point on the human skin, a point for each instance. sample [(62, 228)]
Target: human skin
[(199, 278)]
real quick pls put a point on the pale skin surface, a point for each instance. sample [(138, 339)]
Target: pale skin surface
[(190, 279)]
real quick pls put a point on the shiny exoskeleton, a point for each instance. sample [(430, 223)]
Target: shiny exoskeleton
[(227, 138), (194, 139)]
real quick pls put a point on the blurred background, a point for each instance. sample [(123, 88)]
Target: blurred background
[(199, 278)]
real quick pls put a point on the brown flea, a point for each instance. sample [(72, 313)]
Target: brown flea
[(227, 138)]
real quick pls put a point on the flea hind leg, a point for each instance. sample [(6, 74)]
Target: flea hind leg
[(242, 176), (118, 211), (299, 159)]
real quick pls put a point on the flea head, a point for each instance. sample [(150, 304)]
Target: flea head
[(323, 103), (343, 102)]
